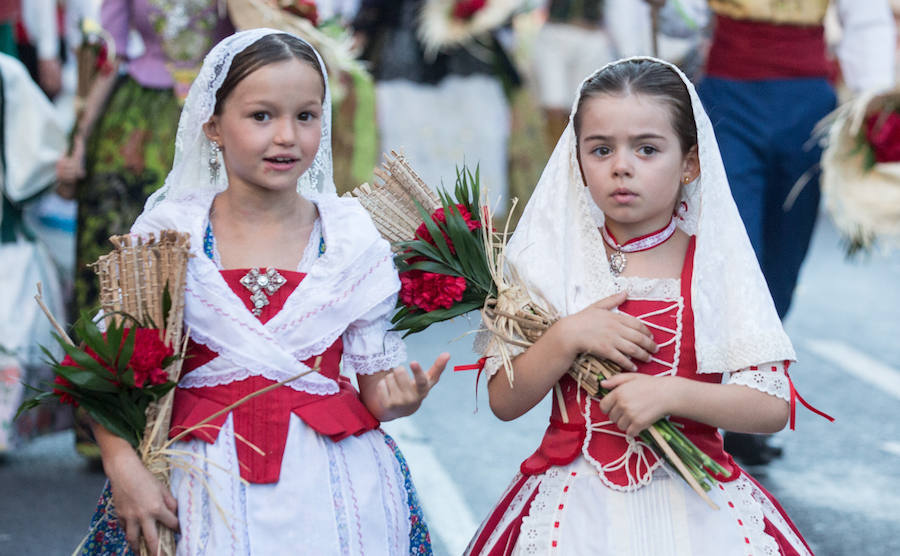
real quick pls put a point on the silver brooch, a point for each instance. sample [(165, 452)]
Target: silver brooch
[(261, 286)]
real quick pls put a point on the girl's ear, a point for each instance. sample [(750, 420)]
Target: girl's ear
[(691, 165), (211, 129)]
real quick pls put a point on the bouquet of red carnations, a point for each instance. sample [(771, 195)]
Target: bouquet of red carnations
[(451, 262), (129, 361), (861, 170)]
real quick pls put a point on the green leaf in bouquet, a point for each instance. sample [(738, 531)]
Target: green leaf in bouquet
[(85, 379), (432, 266), (126, 377), (103, 411), (422, 248), (82, 359), (156, 391), (114, 332), (126, 352), (87, 330), (31, 403), (419, 322), (166, 304), (461, 237), (50, 358), (435, 231)]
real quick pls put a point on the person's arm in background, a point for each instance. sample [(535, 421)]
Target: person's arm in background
[(41, 22), (115, 16), (867, 47)]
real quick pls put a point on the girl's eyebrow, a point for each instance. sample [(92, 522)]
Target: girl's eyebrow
[(640, 137)]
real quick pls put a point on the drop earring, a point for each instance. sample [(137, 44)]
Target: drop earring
[(214, 163)]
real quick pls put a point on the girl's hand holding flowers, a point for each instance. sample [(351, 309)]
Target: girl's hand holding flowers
[(635, 401)]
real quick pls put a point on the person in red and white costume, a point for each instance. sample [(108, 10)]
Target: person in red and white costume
[(278, 281), (767, 85), (633, 240)]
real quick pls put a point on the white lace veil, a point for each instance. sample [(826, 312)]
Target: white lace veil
[(558, 253), (191, 174)]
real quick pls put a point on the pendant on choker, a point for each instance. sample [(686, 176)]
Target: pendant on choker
[(617, 260), (261, 286)]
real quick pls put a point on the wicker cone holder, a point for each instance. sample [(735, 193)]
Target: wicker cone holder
[(391, 202), (134, 279)]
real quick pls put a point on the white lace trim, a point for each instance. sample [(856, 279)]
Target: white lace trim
[(769, 378), (649, 288), (752, 507), (367, 364), (208, 375), (515, 507), (537, 532)]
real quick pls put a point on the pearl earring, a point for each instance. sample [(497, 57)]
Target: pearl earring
[(687, 179)]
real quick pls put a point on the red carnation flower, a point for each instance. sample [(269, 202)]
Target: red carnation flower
[(465, 9), (429, 290), (65, 397), (147, 359), (439, 217), (883, 134)]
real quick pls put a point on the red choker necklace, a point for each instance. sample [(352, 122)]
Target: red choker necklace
[(617, 260)]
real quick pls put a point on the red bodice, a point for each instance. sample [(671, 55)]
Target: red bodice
[(263, 420), (585, 429)]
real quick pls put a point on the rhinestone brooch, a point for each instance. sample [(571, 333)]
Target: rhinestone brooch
[(262, 285)]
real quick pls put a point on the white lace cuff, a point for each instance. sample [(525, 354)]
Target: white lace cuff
[(369, 346), (393, 354), (769, 378), (486, 345)]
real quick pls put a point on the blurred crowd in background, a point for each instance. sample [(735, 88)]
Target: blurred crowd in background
[(92, 93)]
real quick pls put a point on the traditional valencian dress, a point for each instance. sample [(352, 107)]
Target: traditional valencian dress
[(589, 488), (304, 468)]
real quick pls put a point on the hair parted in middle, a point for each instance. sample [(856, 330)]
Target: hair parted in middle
[(644, 77), (270, 49)]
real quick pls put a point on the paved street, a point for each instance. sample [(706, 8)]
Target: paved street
[(839, 481)]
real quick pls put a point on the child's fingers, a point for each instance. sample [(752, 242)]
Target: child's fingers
[(170, 501), (634, 323), (638, 337), (611, 302), (434, 373), (419, 377), (616, 380), (632, 350), (148, 529), (619, 359), (133, 535)]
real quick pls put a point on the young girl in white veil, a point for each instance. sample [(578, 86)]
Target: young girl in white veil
[(633, 239), (277, 279)]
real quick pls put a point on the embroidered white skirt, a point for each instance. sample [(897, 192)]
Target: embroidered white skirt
[(568, 510), (346, 497)]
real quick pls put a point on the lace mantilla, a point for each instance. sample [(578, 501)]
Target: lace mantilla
[(191, 172)]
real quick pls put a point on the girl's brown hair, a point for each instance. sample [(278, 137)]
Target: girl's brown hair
[(270, 49), (645, 77)]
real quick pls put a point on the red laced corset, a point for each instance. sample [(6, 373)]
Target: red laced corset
[(263, 420)]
